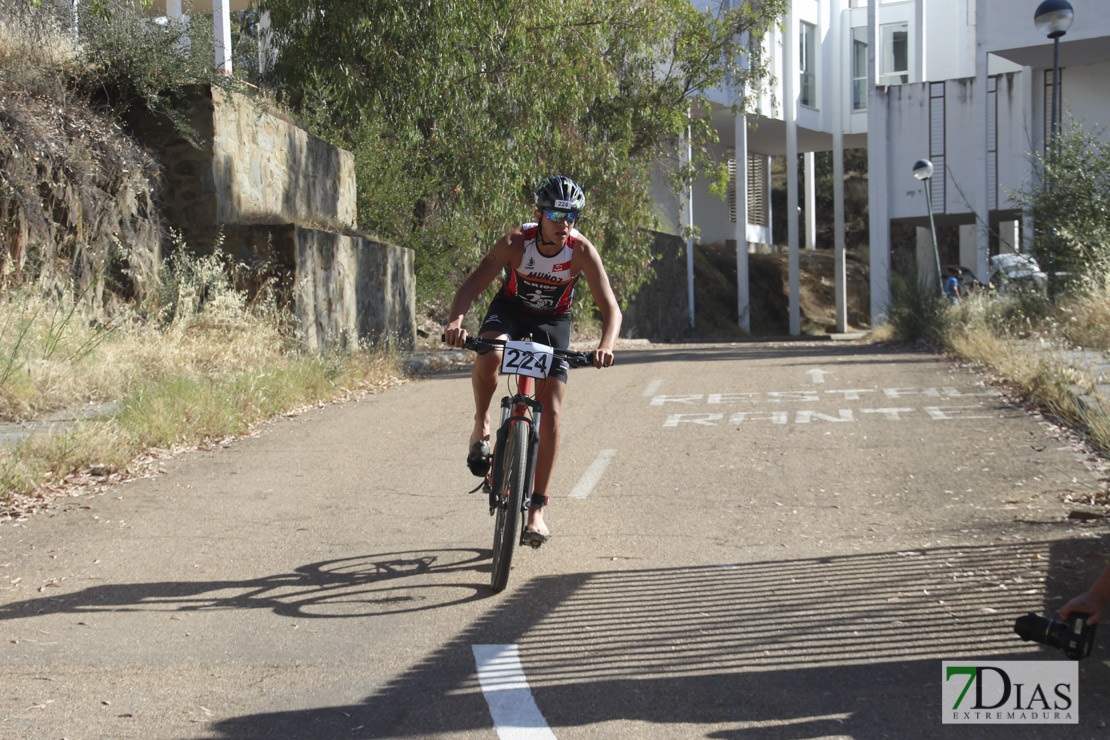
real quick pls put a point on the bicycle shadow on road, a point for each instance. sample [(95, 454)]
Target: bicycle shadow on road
[(842, 645), (369, 585)]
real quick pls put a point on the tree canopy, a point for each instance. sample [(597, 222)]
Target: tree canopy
[(456, 108), (1069, 200)]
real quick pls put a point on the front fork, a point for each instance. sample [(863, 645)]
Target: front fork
[(533, 422)]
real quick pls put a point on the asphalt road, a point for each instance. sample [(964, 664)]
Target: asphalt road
[(752, 540)]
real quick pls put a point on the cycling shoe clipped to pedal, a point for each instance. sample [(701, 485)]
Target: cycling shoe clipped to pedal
[(478, 459), (532, 538)]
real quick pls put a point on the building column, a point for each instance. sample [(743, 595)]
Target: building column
[(790, 114), (767, 168), (221, 25), (1027, 232), (810, 162), (267, 55), (1009, 237), (686, 213), (920, 58), (173, 11), (743, 288), (982, 180), (877, 156), (840, 272), (969, 249)]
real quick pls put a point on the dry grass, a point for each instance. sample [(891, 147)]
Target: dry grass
[(1084, 319), (1027, 344), (37, 48), (204, 364)]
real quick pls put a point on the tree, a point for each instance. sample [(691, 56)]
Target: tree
[(1070, 204), (455, 108)]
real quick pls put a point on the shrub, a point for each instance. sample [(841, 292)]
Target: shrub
[(1070, 204)]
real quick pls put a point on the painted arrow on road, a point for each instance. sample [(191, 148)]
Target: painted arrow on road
[(817, 376)]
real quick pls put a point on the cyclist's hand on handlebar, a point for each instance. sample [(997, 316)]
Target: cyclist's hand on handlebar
[(454, 335), (603, 357)]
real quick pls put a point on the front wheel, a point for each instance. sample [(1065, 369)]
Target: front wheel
[(510, 501)]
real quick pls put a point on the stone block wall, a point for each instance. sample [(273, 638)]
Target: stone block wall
[(352, 288), (266, 170), (285, 200)]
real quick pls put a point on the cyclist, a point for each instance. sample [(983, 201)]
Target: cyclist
[(542, 262)]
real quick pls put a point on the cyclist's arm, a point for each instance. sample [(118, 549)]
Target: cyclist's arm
[(598, 280), (488, 269)]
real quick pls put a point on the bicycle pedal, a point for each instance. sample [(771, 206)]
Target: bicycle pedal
[(532, 542)]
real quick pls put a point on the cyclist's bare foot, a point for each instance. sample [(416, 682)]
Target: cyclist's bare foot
[(535, 522), (481, 430)]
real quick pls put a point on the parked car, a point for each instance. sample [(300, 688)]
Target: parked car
[(1016, 271)]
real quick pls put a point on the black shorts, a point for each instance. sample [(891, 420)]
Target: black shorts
[(505, 317)]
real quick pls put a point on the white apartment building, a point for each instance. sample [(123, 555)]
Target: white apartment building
[(963, 83), (220, 10)]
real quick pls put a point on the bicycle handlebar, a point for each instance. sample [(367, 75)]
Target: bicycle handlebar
[(482, 345)]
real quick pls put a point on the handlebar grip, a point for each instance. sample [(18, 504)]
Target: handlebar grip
[(471, 341)]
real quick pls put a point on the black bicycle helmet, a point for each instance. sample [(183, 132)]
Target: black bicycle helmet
[(560, 193)]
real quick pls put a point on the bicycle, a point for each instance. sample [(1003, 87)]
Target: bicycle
[(517, 442)]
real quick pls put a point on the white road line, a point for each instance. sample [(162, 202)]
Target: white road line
[(651, 388), (593, 474), (514, 710)]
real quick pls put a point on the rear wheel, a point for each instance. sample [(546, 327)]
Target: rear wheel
[(510, 501)]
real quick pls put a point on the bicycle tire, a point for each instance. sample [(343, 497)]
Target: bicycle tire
[(510, 501)]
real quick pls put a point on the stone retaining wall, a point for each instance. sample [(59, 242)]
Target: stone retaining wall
[(266, 170), (286, 200)]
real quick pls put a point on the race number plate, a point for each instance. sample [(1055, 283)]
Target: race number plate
[(526, 358)]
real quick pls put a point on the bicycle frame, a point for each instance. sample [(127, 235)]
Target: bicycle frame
[(515, 410), (521, 408)]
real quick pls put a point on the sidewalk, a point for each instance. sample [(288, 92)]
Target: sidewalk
[(13, 433)]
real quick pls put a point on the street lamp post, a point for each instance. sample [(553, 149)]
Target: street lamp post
[(1053, 18), (923, 171)]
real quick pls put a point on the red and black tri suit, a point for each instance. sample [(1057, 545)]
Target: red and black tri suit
[(535, 298)]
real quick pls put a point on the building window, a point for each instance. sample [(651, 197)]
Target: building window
[(807, 63), (859, 69), (895, 67), (758, 189)]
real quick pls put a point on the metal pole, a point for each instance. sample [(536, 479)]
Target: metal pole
[(933, 233), (1055, 92), (1053, 158)]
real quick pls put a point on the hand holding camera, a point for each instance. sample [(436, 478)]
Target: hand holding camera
[(1074, 636)]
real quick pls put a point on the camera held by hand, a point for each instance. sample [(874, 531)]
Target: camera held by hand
[(1074, 636)]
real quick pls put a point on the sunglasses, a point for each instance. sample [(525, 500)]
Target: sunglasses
[(568, 216)]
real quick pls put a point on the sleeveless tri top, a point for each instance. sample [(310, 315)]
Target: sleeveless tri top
[(542, 284)]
